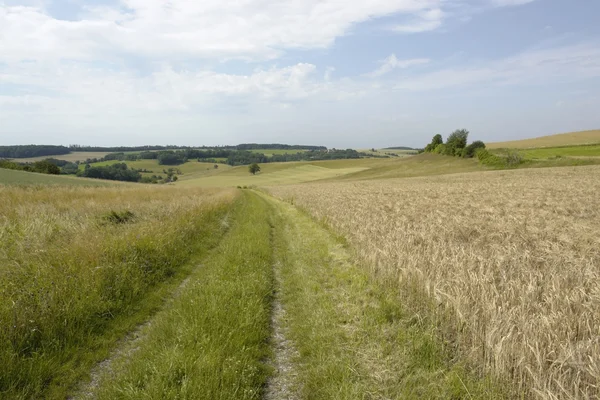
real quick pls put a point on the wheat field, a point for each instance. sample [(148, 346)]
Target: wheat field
[(561, 139), (506, 262)]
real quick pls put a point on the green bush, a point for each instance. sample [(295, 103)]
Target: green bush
[(440, 149), (470, 150)]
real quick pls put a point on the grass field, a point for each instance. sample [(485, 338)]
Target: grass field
[(544, 153), (72, 157), (190, 170), (11, 177), (562, 139), (79, 267), (506, 263)]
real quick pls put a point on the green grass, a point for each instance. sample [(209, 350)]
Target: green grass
[(421, 165), (190, 170), (352, 337), (555, 152), (11, 177), (211, 343), (72, 283)]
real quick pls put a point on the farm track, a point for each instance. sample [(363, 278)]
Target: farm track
[(330, 330)]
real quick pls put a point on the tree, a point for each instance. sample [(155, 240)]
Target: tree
[(437, 140), (456, 142), (254, 168)]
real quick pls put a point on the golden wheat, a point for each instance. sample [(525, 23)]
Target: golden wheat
[(512, 256)]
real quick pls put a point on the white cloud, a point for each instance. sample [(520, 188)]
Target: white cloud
[(391, 63), (540, 66), (428, 20), (257, 29), (508, 3)]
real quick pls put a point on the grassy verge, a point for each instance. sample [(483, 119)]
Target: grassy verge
[(212, 342), (74, 279), (353, 338)]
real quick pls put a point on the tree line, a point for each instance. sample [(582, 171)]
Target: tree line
[(32, 150)]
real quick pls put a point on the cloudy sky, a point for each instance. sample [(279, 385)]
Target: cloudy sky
[(340, 73)]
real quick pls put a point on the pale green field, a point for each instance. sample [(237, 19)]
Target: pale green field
[(11, 177), (190, 170), (584, 151), (72, 157), (271, 152), (276, 175), (384, 152)]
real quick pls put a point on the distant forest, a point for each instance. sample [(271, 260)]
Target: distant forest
[(33, 150), (399, 148)]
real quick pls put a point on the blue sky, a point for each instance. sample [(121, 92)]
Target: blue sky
[(336, 73)]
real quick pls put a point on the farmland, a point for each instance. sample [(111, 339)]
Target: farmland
[(422, 277), (558, 140), (506, 263)]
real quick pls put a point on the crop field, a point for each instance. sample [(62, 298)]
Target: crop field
[(72, 157), (239, 176), (507, 263), (273, 152), (562, 139)]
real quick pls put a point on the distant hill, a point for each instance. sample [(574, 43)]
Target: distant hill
[(561, 139), (399, 148)]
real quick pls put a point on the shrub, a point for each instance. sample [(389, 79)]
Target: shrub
[(437, 140), (470, 150), (440, 149), (118, 217)]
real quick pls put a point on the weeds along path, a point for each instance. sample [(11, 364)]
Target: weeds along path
[(347, 336)]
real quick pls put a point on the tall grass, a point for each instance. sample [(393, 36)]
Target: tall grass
[(507, 262), (68, 270), (212, 341)]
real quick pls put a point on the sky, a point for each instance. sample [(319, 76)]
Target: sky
[(339, 73)]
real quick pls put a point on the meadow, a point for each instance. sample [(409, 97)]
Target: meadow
[(506, 263), (79, 267)]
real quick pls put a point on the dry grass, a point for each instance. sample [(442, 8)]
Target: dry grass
[(561, 139), (507, 261)]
